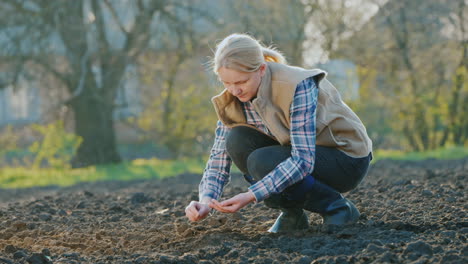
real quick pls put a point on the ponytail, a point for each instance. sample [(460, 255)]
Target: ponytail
[(272, 55)]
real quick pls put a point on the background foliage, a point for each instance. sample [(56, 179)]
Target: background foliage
[(89, 57)]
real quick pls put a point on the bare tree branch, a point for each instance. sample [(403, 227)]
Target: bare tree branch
[(80, 87), (20, 8), (46, 66), (140, 5), (16, 73), (115, 17), (138, 36), (203, 13)]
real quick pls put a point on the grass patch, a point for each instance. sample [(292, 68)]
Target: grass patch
[(443, 154), (136, 169), (156, 168)]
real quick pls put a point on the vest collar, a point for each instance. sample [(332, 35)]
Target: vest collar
[(264, 90)]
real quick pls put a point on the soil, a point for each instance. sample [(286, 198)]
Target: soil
[(412, 212)]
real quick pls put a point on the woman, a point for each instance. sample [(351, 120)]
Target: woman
[(287, 129)]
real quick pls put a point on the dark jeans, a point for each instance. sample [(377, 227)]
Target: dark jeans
[(256, 154)]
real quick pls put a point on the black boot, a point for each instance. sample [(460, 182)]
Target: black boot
[(331, 205), (290, 220), (292, 216)]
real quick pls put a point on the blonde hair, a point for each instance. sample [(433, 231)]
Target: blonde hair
[(242, 52)]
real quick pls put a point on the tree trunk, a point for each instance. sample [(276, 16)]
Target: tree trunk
[(94, 123), (411, 138)]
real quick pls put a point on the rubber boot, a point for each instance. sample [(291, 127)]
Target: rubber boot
[(331, 205), (290, 220), (292, 215)]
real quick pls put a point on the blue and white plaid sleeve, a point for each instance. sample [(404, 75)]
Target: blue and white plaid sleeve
[(216, 174), (303, 133)]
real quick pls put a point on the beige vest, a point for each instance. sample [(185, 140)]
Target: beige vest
[(337, 125)]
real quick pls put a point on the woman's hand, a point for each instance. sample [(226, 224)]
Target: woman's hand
[(197, 211), (234, 204)]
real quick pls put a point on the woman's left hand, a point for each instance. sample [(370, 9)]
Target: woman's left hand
[(233, 204)]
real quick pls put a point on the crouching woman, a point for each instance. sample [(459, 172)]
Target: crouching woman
[(291, 135)]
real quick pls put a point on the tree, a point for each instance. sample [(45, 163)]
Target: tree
[(281, 22), (87, 46), (178, 112), (458, 101), (416, 70), (329, 22)]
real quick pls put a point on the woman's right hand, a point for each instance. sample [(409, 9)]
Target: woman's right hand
[(196, 211)]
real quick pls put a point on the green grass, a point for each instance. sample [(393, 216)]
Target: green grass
[(155, 168), (136, 169), (443, 154)]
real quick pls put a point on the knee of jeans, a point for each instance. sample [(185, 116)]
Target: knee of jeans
[(235, 139), (344, 188), (257, 166), (353, 183)]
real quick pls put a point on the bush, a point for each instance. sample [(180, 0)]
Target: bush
[(56, 148), (8, 142)]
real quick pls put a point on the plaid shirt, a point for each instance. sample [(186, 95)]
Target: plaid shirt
[(288, 172)]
